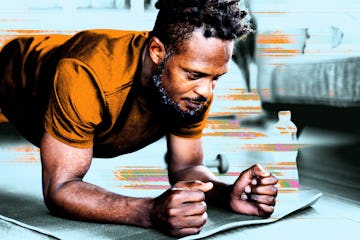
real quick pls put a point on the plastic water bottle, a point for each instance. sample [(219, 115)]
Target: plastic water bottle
[(283, 135), (284, 130)]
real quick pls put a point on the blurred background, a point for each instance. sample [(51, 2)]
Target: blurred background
[(304, 57)]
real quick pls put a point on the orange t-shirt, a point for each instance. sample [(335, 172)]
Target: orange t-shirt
[(96, 99)]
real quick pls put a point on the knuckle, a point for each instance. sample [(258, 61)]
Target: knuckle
[(275, 190), (173, 223), (274, 177), (200, 195), (204, 206), (200, 221), (197, 230), (170, 212), (172, 195), (271, 209), (204, 218), (200, 207), (271, 200), (266, 211)]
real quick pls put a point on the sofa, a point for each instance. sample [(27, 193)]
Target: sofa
[(314, 72)]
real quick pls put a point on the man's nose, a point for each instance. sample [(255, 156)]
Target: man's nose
[(205, 87)]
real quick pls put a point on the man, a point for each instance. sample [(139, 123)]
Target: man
[(106, 93)]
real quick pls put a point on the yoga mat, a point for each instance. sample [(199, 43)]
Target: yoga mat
[(37, 220), (138, 174)]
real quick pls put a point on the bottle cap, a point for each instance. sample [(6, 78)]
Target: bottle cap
[(284, 115)]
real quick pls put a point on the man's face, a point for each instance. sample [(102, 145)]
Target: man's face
[(185, 82)]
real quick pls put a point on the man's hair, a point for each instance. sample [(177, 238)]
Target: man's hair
[(177, 20)]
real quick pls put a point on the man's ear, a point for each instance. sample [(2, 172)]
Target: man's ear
[(157, 50)]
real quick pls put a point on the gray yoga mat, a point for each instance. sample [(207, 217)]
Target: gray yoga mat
[(19, 211), (23, 212)]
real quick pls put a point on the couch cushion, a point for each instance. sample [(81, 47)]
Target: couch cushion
[(333, 82)]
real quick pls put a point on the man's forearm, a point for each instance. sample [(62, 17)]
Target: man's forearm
[(220, 192), (84, 201)]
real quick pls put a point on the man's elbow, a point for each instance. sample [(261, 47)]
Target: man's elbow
[(50, 202), (53, 201)]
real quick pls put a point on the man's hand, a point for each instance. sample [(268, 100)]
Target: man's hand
[(181, 210), (254, 192)]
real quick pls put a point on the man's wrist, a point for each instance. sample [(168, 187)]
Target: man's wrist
[(140, 212), (149, 205), (220, 195), (228, 192)]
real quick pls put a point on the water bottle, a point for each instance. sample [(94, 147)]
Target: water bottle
[(283, 135), (284, 130)]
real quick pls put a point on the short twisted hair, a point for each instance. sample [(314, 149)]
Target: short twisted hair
[(177, 20)]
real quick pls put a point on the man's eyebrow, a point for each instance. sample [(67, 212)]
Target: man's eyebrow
[(194, 72)]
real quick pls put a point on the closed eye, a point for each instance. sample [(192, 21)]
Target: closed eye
[(218, 77), (194, 75)]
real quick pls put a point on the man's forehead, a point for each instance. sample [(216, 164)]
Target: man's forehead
[(207, 51), (197, 41)]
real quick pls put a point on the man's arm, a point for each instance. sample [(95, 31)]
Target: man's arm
[(179, 211), (185, 163), (67, 195), (254, 192)]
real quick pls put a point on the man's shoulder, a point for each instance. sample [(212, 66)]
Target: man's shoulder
[(111, 56), (112, 33), (84, 42)]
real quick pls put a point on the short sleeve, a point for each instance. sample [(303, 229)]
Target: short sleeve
[(75, 106)]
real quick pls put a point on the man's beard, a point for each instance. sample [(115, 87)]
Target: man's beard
[(172, 108)]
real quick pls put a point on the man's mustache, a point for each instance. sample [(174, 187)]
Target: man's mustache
[(199, 99)]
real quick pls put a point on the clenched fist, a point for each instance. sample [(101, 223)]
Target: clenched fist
[(181, 210), (254, 192)]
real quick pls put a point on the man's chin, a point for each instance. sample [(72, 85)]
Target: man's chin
[(189, 116)]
